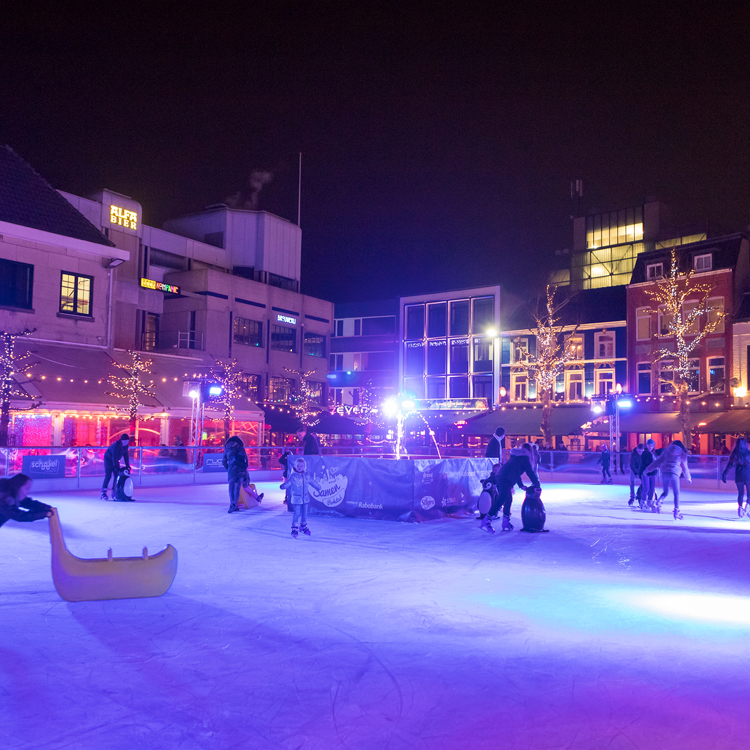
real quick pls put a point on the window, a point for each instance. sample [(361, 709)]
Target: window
[(484, 315), (315, 344), (575, 385), (150, 331), (378, 326), (574, 344), (666, 377), (248, 332), (338, 396), (644, 379), (615, 227), (250, 386), (436, 320), (519, 387), (716, 382), (605, 382), (460, 318), (688, 308), (315, 392), (654, 271), (716, 313), (16, 284), (436, 357), (163, 259), (282, 282), (435, 387), (665, 321), (339, 328), (482, 355), (283, 339), (605, 345), (642, 324), (75, 294), (483, 388), (337, 362), (358, 327), (414, 360), (459, 355), (282, 389), (702, 262), (459, 387), (415, 322), (519, 350), (694, 380)]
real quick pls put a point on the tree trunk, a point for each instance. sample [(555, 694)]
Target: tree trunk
[(685, 427), (227, 428), (4, 422), (133, 422), (547, 417)]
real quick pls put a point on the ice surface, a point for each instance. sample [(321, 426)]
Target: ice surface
[(618, 629)]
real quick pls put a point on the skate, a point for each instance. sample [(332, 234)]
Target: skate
[(631, 501), (295, 533), (486, 525), (677, 514), (656, 507), (105, 496), (260, 497), (305, 530), (507, 525), (232, 509)]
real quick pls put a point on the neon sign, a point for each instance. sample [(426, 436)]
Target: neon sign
[(286, 319), (123, 217), (160, 286)]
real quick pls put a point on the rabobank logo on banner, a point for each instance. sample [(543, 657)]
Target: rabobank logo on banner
[(332, 488)]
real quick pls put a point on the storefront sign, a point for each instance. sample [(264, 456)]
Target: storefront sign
[(43, 467), (160, 286), (286, 319), (452, 404), (348, 411), (123, 217)]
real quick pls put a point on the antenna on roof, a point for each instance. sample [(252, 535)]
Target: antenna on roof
[(576, 193)]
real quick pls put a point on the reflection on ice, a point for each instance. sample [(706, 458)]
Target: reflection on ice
[(724, 609)]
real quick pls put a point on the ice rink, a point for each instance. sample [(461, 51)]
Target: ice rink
[(618, 629)]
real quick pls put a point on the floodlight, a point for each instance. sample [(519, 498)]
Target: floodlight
[(390, 407), (407, 404), (625, 403), (215, 390), (596, 408)]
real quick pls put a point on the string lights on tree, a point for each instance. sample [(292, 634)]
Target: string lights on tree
[(683, 317), (133, 385), (11, 364), (551, 357), (301, 403), (229, 377)]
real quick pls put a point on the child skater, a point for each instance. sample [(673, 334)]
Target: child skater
[(740, 456), (604, 460), (671, 462), (299, 493), (15, 503)]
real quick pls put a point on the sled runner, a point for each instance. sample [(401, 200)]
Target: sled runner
[(78, 580)]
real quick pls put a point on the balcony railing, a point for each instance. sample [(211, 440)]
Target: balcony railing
[(165, 341)]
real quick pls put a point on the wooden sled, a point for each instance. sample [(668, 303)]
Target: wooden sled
[(79, 580)]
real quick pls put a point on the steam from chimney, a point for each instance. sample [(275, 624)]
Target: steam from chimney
[(249, 200)]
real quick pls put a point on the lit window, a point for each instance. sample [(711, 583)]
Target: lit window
[(665, 321), (716, 313), (248, 332), (75, 294), (575, 385), (687, 309), (315, 392), (605, 382), (702, 262), (315, 344), (716, 383), (574, 345), (250, 386), (605, 345), (283, 339), (642, 324), (519, 350), (654, 271)]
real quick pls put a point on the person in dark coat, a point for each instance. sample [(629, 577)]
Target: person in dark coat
[(648, 482), (495, 445), (310, 444), (117, 451), (740, 456), (284, 461), (15, 503), (635, 470), (604, 460), (510, 474), (235, 462)]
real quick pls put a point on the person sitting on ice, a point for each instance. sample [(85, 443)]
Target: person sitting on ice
[(672, 462), (510, 474), (15, 503), (116, 452), (299, 493)]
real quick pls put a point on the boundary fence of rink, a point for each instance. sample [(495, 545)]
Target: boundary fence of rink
[(82, 467)]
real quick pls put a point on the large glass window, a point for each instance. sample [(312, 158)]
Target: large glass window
[(716, 382), (437, 320), (459, 387), (414, 360), (315, 392), (484, 315), (614, 227), (378, 326), (248, 332), (460, 318), (483, 355), (284, 339), (250, 386), (483, 388), (315, 344), (459, 355), (436, 357), (75, 294), (644, 379), (380, 361), (435, 387), (282, 389), (415, 322), (16, 284)]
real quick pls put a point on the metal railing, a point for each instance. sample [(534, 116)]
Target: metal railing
[(171, 340), (82, 467)]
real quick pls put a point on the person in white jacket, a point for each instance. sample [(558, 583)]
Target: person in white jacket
[(672, 462)]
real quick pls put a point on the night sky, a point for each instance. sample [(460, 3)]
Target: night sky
[(438, 145)]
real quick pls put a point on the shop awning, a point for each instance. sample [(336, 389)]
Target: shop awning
[(437, 419), (281, 419), (337, 424), (565, 420), (733, 422)]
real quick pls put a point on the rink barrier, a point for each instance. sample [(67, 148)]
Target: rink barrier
[(82, 467)]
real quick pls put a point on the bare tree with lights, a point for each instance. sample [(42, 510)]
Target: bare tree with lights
[(550, 359), (301, 404), (132, 385), (669, 299), (229, 376), (11, 364)]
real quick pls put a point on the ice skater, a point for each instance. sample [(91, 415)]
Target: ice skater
[(495, 444), (117, 451), (299, 484), (672, 462), (518, 464), (648, 483), (235, 462), (741, 456), (15, 503), (604, 460), (635, 467)]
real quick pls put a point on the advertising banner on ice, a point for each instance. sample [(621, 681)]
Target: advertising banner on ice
[(213, 462), (43, 467)]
